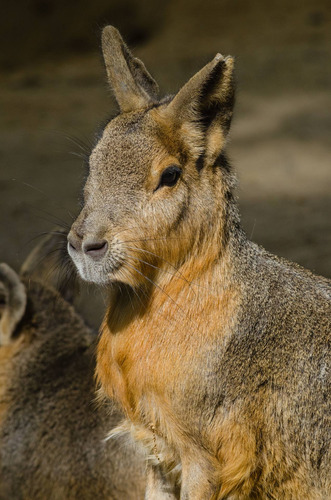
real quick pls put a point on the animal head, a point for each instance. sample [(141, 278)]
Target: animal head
[(41, 277), (158, 177)]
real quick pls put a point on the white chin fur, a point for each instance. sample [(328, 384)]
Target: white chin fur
[(90, 271), (97, 276)]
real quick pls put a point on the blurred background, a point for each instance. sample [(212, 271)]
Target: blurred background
[(54, 95)]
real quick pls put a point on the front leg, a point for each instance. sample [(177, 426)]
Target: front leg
[(159, 486), (198, 481)]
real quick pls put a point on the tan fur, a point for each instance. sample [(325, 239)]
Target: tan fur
[(215, 350), (7, 355), (12, 294)]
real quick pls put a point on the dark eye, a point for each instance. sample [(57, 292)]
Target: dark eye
[(170, 176)]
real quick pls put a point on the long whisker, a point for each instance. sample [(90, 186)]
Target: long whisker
[(60, 222), (39, 261), (54, 223), (191, 283), (163, 315), (138, 297), (164, 260), (35, 188), (164, 271), (31, 186), (45, 233), (82, 156), (119, 232), (66, 274), (120, 272), (154, 284), (154, 239), (57, 266), (70, 215), (86, 148)]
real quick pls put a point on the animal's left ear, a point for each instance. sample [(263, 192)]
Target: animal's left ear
[(202, 109), (49, 263)]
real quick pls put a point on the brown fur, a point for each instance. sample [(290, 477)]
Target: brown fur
[(52, 432), (215, 349)]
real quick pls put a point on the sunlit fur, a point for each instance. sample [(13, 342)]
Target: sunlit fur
[(214, 348)]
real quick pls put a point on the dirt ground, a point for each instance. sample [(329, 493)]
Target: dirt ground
[(280, 141)]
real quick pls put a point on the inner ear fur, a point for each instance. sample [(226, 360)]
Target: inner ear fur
[(13, 302), (133, 86), (202, 109)]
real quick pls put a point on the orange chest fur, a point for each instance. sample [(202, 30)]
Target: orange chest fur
[(153, 355), (137, 363)]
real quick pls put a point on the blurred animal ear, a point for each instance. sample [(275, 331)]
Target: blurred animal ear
[(133, 86), (49, 263), (12, 303), (202, 110)]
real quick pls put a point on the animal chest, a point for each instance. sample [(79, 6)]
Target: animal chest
[(136, 364), (160, 368)]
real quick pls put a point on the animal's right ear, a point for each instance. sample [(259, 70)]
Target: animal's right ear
[(133, 86), (201, 111), (12, 302)]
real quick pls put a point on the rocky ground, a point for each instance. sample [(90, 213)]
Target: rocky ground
[(280, 140)]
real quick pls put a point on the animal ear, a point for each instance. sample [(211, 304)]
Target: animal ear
[(12, 303), (133, 86), (49, 263), (202, 109)]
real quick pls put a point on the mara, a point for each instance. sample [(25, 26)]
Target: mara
[(52, 432), (216, 350)]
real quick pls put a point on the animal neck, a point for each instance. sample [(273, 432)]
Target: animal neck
[(173, 309), (208, 269)]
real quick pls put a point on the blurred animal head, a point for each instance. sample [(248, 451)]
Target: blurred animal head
[(158, 177)]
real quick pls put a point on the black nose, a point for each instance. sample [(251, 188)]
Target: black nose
[(95, 248)]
